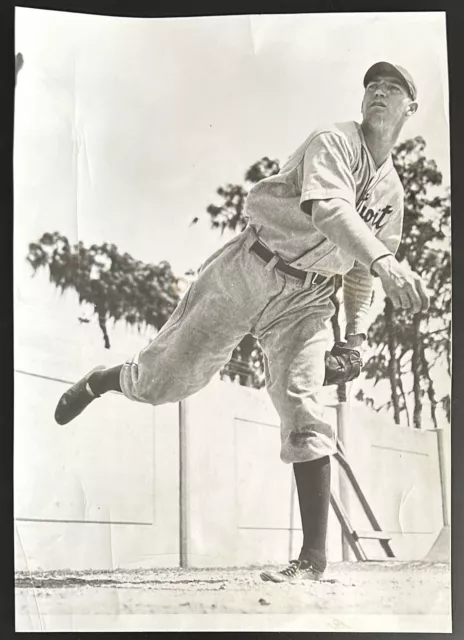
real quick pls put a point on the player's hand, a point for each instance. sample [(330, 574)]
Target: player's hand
[(405, 289)]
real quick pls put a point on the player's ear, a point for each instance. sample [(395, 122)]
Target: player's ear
[(412, 108)]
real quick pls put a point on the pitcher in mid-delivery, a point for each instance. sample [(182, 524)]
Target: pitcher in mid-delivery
[(336, 207)]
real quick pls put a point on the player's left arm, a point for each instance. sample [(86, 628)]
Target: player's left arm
[(358, 285)]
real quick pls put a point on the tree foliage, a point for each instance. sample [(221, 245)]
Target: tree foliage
[(415, 344), (118, 286), (230, 213)]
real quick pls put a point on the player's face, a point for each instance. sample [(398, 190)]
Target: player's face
[(386, 101)]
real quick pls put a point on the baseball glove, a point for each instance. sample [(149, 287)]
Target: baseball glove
[(342, 364)]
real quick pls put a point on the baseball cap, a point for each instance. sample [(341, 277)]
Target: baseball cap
[(387, 68)]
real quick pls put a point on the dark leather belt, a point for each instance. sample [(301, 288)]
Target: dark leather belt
[(267, 255)]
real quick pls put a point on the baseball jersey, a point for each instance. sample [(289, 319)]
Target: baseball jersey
[(333, 162)]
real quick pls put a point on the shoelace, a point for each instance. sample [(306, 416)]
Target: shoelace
[(292, 568)]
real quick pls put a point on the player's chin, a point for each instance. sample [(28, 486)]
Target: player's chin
[(377, 114)]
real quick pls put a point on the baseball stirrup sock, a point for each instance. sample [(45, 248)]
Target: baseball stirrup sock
[(106, 380), (313, 486)]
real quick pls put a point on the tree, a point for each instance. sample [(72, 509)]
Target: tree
[(246, 364), (230, 215), (118, 286), (415, 344)]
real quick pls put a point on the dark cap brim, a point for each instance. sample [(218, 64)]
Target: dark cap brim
[(387, 68)]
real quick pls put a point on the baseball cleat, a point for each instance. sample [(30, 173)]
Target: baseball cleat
[(296, 570), (75, 399)]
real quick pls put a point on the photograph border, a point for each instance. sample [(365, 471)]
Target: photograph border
[(455, 31)]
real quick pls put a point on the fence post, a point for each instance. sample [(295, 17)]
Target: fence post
[(443, 476), (342, 432), (183, 485), (441, 548)]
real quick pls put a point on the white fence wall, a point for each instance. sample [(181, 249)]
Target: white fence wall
[(398, 469), (103, 492), (100, 492)]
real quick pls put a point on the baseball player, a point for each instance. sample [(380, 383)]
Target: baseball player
[(336, 207)]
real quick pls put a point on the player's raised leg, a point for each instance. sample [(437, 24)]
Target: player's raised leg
[(198, 339), (94, 384)]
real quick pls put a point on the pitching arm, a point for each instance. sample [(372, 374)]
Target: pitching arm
[(339, 221), (328, 195)]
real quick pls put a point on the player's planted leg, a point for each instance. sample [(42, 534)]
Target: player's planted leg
[(313, 487)]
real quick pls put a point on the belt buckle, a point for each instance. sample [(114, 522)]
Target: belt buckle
[(272, 262), (313, 279), (309, 279)]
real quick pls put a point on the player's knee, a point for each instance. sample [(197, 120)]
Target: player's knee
[(316, 441), (147, 387), (164, 389)]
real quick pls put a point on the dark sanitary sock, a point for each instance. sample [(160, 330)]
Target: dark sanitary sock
[(313, 486), (105, 380)]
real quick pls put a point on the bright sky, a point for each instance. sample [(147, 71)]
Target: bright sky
[(126, 127)]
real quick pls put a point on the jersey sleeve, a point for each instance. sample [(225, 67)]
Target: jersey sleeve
[(325, 171), (357, 297), (358, 282), (390, 233)]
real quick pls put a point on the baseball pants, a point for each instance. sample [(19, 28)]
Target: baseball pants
[(237, 293)]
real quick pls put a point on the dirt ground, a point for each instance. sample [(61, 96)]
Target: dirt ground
[(402, 594)]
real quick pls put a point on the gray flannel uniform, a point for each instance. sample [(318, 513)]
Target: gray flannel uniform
[(237, 292)]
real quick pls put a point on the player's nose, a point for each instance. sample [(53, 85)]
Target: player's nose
[(380, 91)]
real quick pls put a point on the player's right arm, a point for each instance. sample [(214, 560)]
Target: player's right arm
[(328, 195), (334, 218), (338, 221), (405, 288)]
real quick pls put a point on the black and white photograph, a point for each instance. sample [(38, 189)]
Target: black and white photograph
[(232, 323)]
